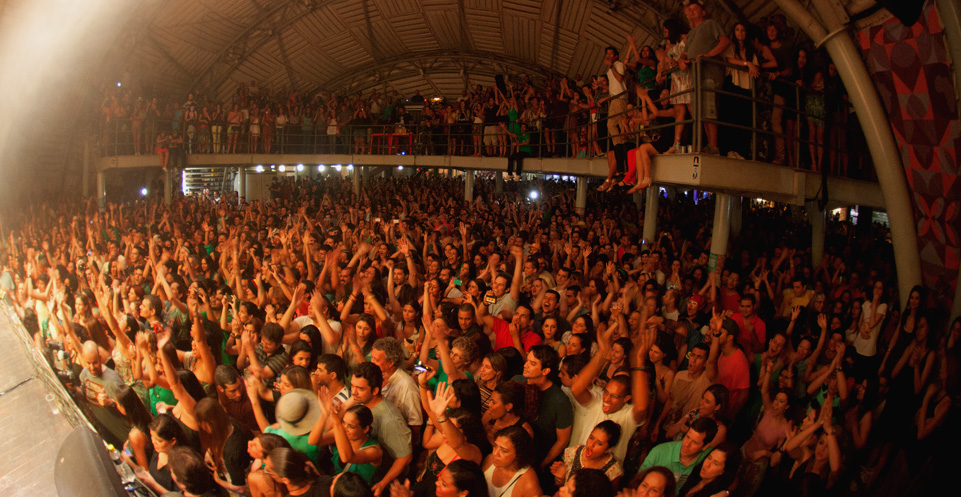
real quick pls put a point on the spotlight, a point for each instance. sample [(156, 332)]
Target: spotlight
[(533, 195), (321, 168), (259, 168), (300, 167), (273, 167), (400, 167), (143, 192), (337, 167), (350, 167), (282, 168), (118, 84)]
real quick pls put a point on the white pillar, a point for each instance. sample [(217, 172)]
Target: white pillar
[(499, 182), (722, 228), (242, 188), (469, 185), (356, 175), (650, 214), (580, 201), (101, 192), (168, 185)]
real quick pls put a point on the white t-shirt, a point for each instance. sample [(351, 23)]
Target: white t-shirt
[(593, 413), (616, 87), (868, 347)]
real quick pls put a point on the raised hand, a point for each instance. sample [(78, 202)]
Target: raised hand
[(440, 402)]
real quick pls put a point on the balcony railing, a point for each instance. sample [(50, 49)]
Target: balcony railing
[(748, 130)]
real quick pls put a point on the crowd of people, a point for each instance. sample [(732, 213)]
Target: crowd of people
[(647, 97), (401, 342)]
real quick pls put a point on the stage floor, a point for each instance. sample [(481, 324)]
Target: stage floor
[(30, 433)]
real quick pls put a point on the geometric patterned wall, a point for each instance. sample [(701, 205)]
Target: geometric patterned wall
[(910, 68)]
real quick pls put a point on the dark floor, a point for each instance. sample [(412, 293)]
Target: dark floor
[(30, 433)]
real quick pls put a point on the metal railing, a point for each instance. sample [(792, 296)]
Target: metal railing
[(574, 134)]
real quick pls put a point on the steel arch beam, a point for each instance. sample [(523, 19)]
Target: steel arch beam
[(415, 59)]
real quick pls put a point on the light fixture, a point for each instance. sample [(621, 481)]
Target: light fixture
[(350, 167), (337, 167), (273, 167), (118, 84), (321, 168), (533, 195), (259, 168), (143, 192), (400, 167), (282, 168), (300, 167)]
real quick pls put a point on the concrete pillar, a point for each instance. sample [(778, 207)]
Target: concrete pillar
[(736, 211), (818, 220), (242, 188), (356, 177), (168, 185), (650, 214), (956, 307), (580, 202), (469, 185), (877, 132), (499, 182), (101, 192), (722, 228)]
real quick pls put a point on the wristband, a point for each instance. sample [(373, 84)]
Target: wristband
[(442, 420)]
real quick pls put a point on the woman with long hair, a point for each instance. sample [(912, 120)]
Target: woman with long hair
[(138, 441), (493, 372), (715, 474), (507, 408), (224, 442), (675, 35), (594, 454), (292, 469), (452, 434), (165, 434), (355, 449)]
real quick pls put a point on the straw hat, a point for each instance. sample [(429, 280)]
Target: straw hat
[(297, 411)]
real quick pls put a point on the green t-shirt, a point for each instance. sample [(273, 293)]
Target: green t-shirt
[(668, 454), (298, 443)]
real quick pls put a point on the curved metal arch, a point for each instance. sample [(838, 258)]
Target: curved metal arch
[(267, 13), (414, 58)]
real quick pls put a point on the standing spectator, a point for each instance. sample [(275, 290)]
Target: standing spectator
[(706, 39), (675, 35)]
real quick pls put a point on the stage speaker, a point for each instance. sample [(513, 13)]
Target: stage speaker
[(84, 468)]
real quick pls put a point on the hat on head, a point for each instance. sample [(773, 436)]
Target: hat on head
[(297, 411), (730, 326), (698, 299)]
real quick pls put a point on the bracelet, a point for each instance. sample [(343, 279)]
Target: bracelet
[(441, 421), (644, 368)]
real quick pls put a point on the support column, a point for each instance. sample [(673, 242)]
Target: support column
[(877, 132), (168, 185), (469, 185), (242, 188), (736, 212), (722, 228), (101, 192), (356, 177), (499, 182), (580, 201), (650, 214), (818, 220)]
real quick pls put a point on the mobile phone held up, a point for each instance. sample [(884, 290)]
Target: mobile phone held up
[(419, 368), (489, 299)]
